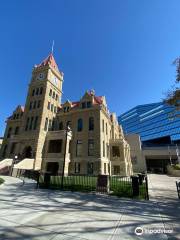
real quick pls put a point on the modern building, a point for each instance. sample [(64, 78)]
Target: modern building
[(155, 123), (157, 127), (38, 131)]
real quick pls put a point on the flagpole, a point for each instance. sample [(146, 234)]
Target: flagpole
[(177, 152)]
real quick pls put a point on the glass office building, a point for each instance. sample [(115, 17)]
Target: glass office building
[(155, 123)]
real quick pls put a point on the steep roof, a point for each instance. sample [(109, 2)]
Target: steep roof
[(48, 61)]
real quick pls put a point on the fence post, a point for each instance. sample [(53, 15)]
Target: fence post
[(135, 185), (147, 193)]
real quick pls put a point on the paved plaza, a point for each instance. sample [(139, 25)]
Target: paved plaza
[(29, 213)]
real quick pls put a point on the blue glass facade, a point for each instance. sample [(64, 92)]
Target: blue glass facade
[(152, 121)]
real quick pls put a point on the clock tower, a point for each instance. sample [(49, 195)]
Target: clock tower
[(42, 102)]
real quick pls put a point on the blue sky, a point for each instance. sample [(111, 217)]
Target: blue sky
[(121, 48)]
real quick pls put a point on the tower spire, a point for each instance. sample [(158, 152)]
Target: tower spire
[(52, 49)]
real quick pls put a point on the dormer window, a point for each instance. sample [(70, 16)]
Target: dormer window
[(86, 104), (89, 104), (83, 104)]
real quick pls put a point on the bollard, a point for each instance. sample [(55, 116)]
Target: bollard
[(135, 185), (47, 177), (140, 178)]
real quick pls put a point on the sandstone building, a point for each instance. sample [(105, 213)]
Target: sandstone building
[(94, 144)]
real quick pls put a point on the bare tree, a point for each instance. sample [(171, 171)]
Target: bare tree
[(173, 96)]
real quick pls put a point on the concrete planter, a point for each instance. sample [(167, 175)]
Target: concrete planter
[(173, 172)]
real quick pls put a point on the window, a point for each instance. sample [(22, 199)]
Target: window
[(35, 123), (115, 151), (80, 125), (55, 146), (55, 109), (39, 104), (48, 107), (89, 104), (50, 92), (53, 96), (16, 132), (14, 117), (104, 168), (79, 148), (13, 147), (103, 149), (53, 124), (50, 125), (91, 124), (83, 105), (33, 92), (64, 109), (4, 150), (90, 168), (91, 147), (17, 116), (9, 132), (77, 167), (37, 91), (34, 105), (30, 106), (27, 124), (116, 170), (61, 126), (107, 150), (67, 109), (103, 125), (106, 129), (46, 124), (52, 107), (41, 90), (31, 123), (56, 97)]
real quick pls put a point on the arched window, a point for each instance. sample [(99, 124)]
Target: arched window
[(41, 90), (61, 126), (80, 125), (37, 91), (16, 131), (91, 124), (9, 132), (33, 92)]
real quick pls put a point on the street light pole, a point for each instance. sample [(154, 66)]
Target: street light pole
[(62, 178), (13, 161)]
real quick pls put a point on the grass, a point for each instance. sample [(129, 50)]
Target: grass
[(1, 181), (119, 186)]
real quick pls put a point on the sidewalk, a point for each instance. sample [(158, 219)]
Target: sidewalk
[(28, 213)]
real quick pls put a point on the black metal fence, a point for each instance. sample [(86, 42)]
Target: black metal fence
[(136, 186)]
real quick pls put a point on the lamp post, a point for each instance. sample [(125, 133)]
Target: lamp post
[(13, 162), (67, 131)]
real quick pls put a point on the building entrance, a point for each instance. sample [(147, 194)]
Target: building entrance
[(157, 165)]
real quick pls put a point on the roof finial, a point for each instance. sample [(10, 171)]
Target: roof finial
[(52, 49)]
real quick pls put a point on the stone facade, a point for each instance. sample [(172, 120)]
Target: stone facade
[(94, 145)]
